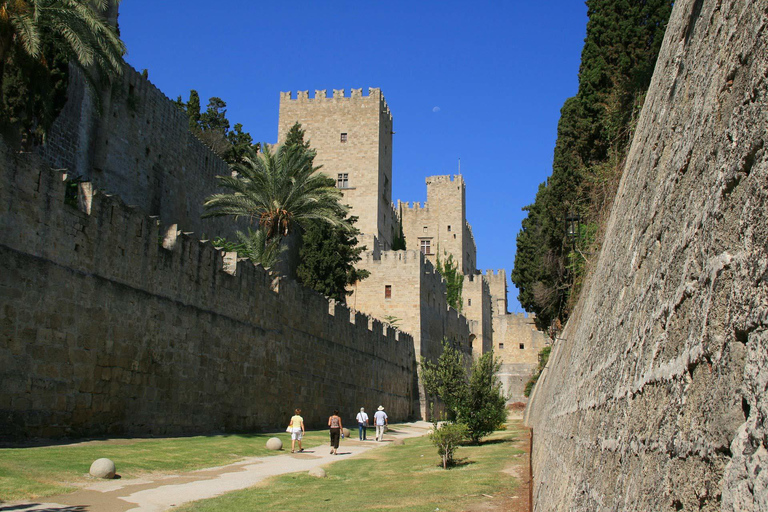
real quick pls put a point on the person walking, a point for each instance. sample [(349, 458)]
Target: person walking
[(296, 428), (380, 420), (334, 422), (362, 423)]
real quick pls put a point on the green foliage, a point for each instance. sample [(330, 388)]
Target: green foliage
[(471, 398), (543, 359), (328, 255), (398, 239), (37, 41), (213, 128), (447, 438), (279, 191), (447, 379), (392, 320), (454, 280), (484, 407), (295, 137), (595, 128)]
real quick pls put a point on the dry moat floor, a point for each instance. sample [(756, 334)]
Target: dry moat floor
[(236, 472)]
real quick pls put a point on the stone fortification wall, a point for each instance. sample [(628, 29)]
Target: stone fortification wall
[(353, 139), (497, 282), (105, 330), (405, 288), (139, 148), (517, 344), (477, 307), (656, 398), (441, 222)]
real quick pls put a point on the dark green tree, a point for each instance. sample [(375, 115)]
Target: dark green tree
[(328, 252), (295, 137), (484, 408), (328, 256), (446, 379), (595, 128), (193, 111), (38, 38)]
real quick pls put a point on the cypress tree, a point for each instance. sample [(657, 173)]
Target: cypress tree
[(594, 131)]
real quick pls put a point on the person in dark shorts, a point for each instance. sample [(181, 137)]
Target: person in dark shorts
[(334, 422)]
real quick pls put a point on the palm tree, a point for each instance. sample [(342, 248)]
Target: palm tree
[(90, 39), (279, 191)]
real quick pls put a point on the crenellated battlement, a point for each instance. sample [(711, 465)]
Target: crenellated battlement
[(442, 179), (339, 95)]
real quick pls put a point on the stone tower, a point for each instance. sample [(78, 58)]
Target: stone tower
[(441, 227), (353, 139)]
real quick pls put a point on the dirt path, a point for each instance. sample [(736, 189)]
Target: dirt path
[(165, 492), (520, 499)]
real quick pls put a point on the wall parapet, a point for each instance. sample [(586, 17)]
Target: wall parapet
[(179, 325)]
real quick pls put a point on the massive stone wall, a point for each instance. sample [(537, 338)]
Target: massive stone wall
[(656, 397), (405, 288), (353, 138), (138, 147), (517, 344), (477, 307), (107, 327)]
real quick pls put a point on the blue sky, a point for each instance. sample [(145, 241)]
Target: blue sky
[(481, 81)]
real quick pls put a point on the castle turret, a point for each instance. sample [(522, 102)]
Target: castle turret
[(440, 228), (353, 139)]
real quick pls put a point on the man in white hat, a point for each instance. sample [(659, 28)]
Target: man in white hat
[(380, 420), (362, 423)]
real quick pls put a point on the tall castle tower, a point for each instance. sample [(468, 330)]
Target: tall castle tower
[(440, 226), (353, 139)]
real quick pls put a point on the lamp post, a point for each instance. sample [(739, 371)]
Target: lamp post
[(572, 227)]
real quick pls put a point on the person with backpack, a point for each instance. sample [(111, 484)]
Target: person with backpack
[(362, 423)]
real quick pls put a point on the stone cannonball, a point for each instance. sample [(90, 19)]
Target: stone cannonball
[(345, 431), (274, 443), (103, 468), (318, 472)]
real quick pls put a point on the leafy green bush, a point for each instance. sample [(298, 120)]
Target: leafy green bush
[(543, 358), (447, 438)]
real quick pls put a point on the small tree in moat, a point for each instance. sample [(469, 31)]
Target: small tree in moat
[(484, 408), (446, 379), (447, 438), (474, 399)]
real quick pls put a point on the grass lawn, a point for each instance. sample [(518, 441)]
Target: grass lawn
[(34, 472), (407, 477)]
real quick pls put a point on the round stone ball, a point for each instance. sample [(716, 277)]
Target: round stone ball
[(103, 468), (398, 442), (345, 431), (274, 443), (317, 472)]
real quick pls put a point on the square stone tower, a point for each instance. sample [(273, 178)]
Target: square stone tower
[(441, 227), (353, 139)]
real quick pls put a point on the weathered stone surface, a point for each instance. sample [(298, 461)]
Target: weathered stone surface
[(274, 443), (107, 331), (656, 398), (345, 431), (317, 472), (103, 468)]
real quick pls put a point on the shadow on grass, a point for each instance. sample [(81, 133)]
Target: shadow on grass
[(493, 441), (458, 463), (37, 508)]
